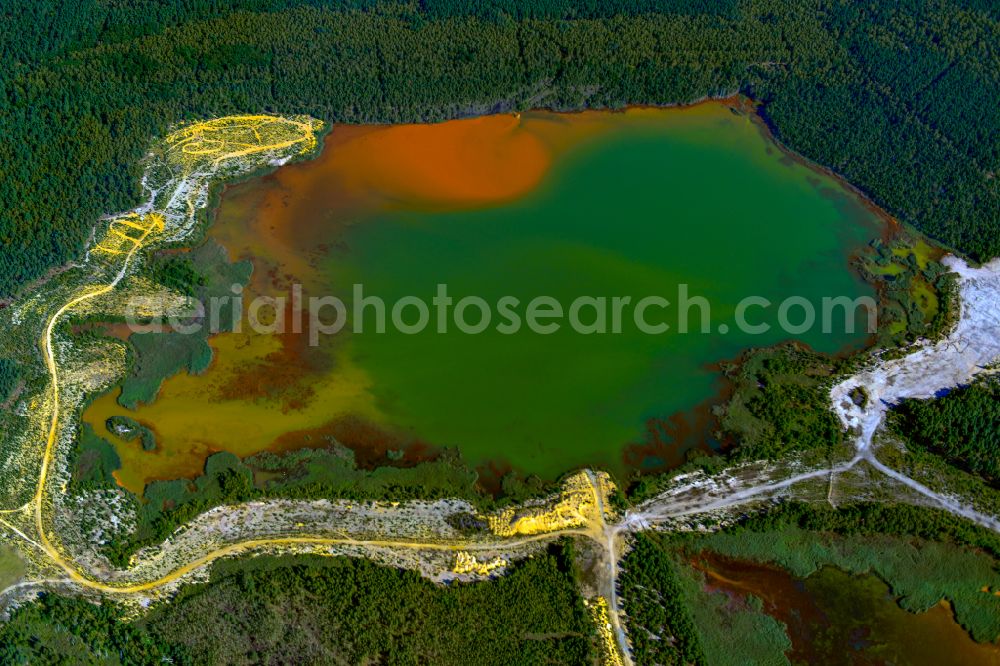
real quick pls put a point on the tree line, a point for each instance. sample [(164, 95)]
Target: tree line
[(313, 609), (897, 98), (963, 426)]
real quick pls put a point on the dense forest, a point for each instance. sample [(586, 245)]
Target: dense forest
[(654, 602), (779, 404), (963, 426), (897, 97), (322, 610)]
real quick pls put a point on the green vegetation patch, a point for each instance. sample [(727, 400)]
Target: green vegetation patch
[(780, 403), (178, 272), (351, 611), (94, 460), (60, 630), (660, 624), (332, 472), (158, 356), (323, 610), (130, 430), (204, 273), (10, 376), (918, 293), (11, 566), (962, 426)]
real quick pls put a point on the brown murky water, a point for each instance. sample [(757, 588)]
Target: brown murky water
[(836, 618)]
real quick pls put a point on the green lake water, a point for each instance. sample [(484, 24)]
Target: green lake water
[(650, 202)]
